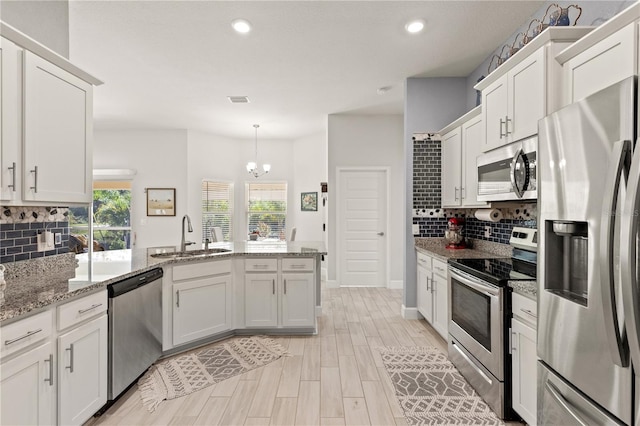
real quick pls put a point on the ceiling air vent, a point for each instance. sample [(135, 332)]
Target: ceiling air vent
[(238, 99)]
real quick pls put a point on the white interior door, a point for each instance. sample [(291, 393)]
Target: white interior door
[(362, 222)]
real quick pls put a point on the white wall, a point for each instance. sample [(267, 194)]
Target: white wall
[(430, 104), (160, 159), (368, 140), (309, 169), (216, 157)]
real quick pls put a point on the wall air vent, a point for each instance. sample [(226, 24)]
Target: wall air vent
[(238, 99)]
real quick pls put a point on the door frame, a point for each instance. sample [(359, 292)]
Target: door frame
[(339, 249)]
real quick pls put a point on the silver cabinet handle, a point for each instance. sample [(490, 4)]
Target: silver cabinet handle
[(455, 194), (502, 123), (273, 286), (50, 361), (381, 234), (285, 286), (463, 194), (506, 125), (428, 288), (70, 366), (527, 311), (35, 179), (260, 266), (513, 341), (177, 298), (90, 308), (13, 173), (297, 266), (433, 287), (17, 339)]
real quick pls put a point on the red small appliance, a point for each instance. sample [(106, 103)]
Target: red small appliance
[(453, 234)]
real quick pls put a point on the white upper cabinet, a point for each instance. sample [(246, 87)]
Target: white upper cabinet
[(525, 88), (47, 124), (462, 142)]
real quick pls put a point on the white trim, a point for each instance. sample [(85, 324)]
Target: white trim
[(318, 312), (331, 284), (324, 274), (396, 284), (410, 313), (387, 172)]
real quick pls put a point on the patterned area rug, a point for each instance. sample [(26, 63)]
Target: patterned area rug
[(189, 372), (431, 391)]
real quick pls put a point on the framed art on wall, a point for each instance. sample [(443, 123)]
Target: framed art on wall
[(161, 201), (309, 201)]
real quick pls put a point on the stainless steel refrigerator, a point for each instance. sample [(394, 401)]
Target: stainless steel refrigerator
[(588, 343)]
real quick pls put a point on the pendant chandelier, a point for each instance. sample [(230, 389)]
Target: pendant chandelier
[(252, 166)]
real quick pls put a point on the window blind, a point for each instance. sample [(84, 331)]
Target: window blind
[(217, 208)]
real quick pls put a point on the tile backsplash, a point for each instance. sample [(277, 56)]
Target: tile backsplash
[(473, 228), (19, 229)]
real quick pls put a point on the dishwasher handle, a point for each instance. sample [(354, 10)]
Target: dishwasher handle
[(126, 285)]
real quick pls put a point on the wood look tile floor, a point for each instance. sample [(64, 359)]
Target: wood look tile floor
[(333, 378)]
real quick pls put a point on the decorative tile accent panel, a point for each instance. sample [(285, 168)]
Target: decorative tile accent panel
[(19, 228), (426, 174), (473, 228)]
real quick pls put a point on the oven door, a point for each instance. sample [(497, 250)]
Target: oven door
[(476, 319)]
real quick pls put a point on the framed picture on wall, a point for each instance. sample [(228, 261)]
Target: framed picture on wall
[(309, 201), (161, 201)]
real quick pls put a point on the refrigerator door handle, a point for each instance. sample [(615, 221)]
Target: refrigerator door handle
[(629, 258), (564, 404), (616, 338)]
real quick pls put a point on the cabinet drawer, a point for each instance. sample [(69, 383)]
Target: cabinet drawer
[(440, 268), (75, 312), (524, 308), (424, 261), (261, 264), (297, 264), (26, 332), (201, 269)]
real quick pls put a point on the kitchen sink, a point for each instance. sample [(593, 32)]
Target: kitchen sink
[(190, 253)]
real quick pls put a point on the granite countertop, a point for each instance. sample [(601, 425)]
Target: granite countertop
[(525, 288), (481, 249), (34, 285)]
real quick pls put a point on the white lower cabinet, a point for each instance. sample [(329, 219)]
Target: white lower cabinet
[(82, 371), (261, 300), (298, 307), (28, 392), (433, 295), (523, 358)]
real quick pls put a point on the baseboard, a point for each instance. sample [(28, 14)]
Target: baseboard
[(318, 311), (331, 284), (410, 313), (396, 285)]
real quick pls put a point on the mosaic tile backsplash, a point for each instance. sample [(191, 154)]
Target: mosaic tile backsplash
[(473, 228), (19, 228), (426, 174)]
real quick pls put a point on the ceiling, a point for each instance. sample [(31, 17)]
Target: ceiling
[(172, 64)]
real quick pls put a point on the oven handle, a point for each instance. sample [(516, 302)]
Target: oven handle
[(473, 282), (471, 363)]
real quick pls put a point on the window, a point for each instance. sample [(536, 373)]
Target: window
[(217, 208), (267, 209), (111, 210)]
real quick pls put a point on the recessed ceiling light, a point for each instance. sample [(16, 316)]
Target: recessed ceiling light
[(415, 26), (241, 25), (238, 99), (383, 90)]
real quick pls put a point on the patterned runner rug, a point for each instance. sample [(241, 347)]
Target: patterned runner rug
[(430, 389), (189, 372)]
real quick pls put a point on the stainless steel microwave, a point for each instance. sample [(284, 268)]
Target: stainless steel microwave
[(509, 172)]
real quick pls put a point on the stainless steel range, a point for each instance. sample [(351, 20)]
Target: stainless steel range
[(480, 316)]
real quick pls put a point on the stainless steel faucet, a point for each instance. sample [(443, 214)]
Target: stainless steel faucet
[(183, 243)]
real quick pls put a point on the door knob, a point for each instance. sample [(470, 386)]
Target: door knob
[(381, 234)]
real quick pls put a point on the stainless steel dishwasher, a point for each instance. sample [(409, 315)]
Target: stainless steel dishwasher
[(135, 328)]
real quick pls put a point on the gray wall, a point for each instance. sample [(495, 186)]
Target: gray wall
[(430, 104), (45, 21)]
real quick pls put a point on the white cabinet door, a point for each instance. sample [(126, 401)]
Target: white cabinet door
[(523, 353), (526, 96), (27, 388), (425, 297), (201, 308), (298, 307), (82, 372), (494, 111), (261, 300), (57, 134), (605, 63), (10, 106), (451, 168), (472, 144), (440, 305)]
